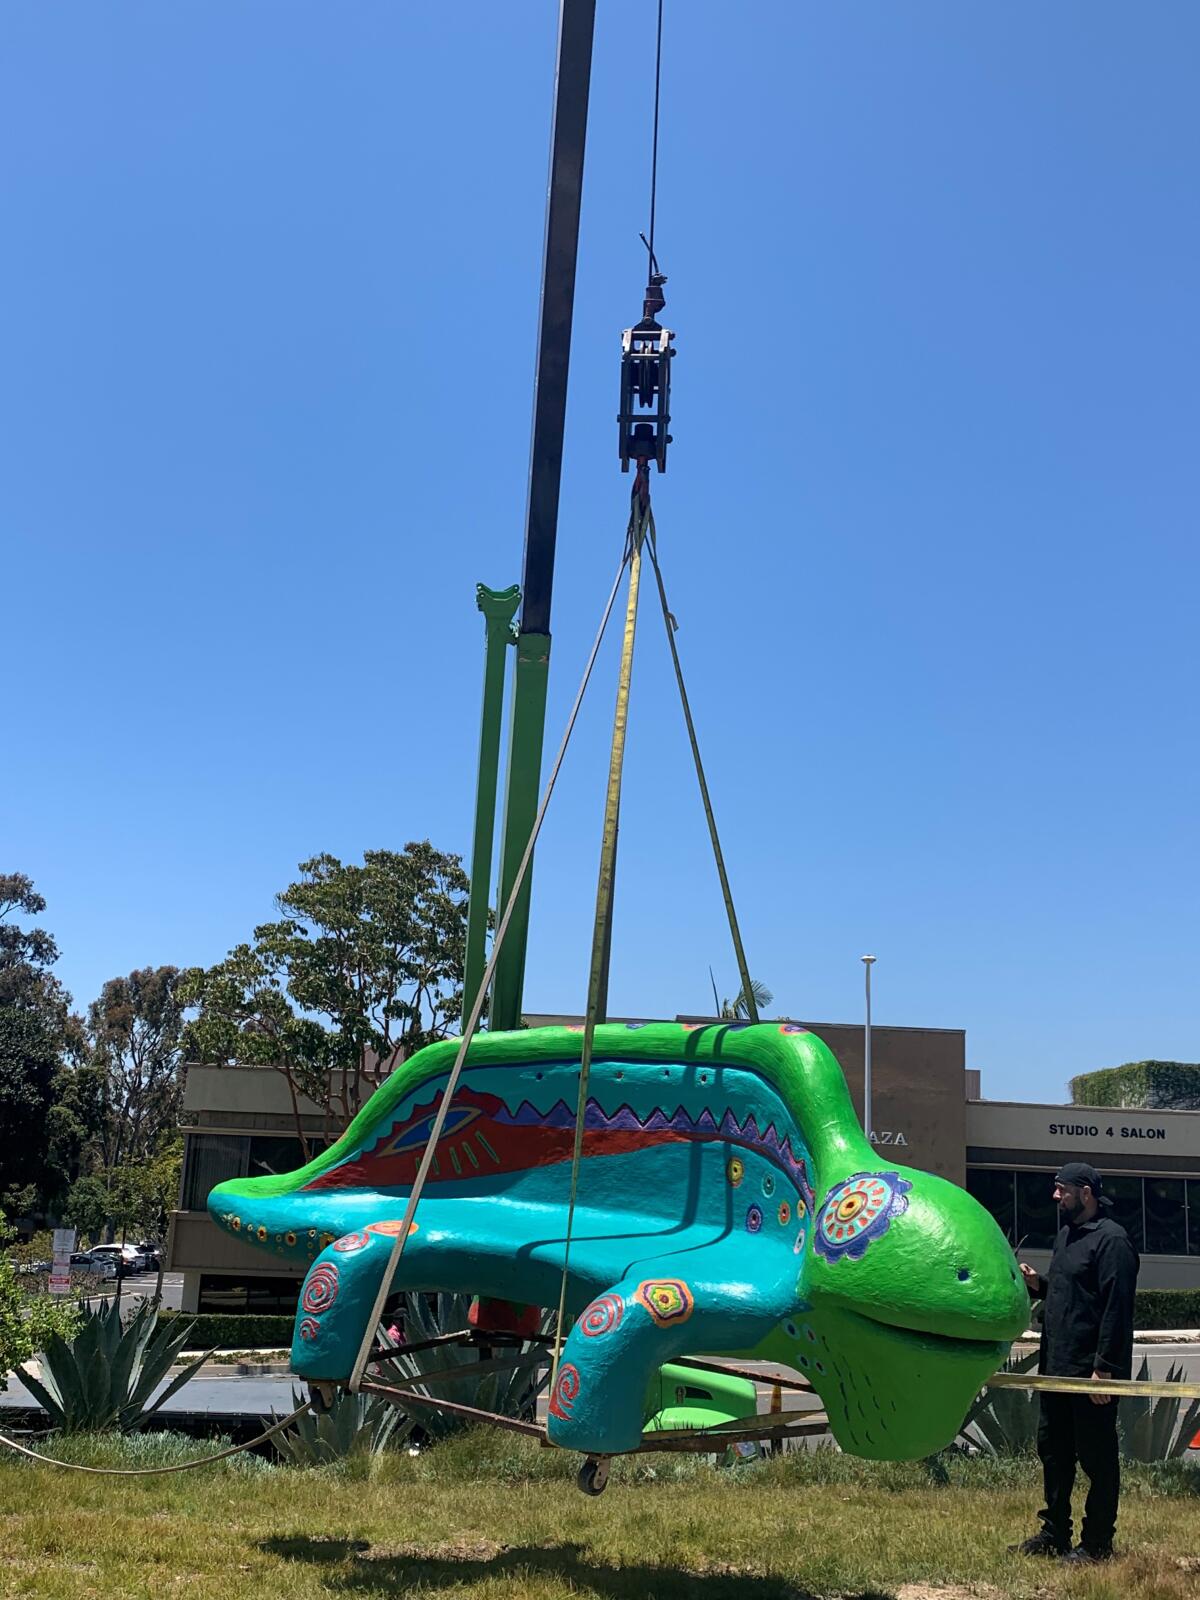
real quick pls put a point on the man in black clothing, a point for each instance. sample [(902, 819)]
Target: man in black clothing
[(1087, 1332)]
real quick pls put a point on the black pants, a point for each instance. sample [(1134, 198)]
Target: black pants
[(1071, 1428)]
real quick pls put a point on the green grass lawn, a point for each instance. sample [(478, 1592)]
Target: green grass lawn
[(487, 1516)]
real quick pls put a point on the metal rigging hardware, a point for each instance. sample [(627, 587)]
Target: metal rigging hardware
[(646, 381)]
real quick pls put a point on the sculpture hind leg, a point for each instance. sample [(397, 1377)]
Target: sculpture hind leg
[(626, 1334), (336, 1303)]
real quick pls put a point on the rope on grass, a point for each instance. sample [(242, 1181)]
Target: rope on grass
[(155, 1472)]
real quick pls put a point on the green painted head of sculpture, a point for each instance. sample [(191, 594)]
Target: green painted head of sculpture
[(907, 1302)]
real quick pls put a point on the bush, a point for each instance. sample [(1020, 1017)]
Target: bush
[(229, 1331), (106, 1375), (1146, 1085), (1167, 1308)]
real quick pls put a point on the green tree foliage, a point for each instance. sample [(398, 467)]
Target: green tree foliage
[(364, 966), (739, 1007), (135, 1028), (35, 1038), (27, 1321)]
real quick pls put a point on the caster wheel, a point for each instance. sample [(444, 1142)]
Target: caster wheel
[(593, 1476), (320, 1397)]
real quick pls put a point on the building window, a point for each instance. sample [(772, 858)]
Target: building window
[(264, 1295), (1166, 1216), (211, 1158), (271, 1157), (1126, 1196), (1193, 1220), (1037, 1215), (1160, 1215), (996, 1193)]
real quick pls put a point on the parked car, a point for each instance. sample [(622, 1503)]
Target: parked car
[(153, 1254), (125, 1259), (99, 1266)]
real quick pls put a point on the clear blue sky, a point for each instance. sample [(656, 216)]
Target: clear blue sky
[(268, 298)]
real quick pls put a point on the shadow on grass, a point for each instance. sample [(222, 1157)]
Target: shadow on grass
[(402, 1570)]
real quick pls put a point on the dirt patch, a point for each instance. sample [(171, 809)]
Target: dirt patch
[(952, 1591), (448, 1550)]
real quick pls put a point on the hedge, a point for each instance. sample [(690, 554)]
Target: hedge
[(1167, 1308), (1148, 1085), (232, 1332)]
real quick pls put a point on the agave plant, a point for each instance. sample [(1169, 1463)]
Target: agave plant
[(1005, 1419), (106, 1375), (1150, 1428), (351, 1425), (511, 1393)]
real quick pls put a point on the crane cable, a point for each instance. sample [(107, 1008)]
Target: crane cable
[(726, 892)]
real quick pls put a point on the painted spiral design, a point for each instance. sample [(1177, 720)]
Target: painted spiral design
[(566, 1392), (352, 1241), (320, 1288), (603, 1315), (309, 1328)]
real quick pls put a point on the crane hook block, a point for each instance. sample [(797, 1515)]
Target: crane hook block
[(646, 384)]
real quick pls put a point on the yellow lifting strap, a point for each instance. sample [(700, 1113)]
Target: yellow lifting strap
[(635, 537), (1042, 1384), (641, 535)]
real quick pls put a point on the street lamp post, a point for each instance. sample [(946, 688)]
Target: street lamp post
[(868, 962)]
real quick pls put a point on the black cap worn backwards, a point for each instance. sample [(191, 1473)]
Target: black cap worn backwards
[(1079, 1173)]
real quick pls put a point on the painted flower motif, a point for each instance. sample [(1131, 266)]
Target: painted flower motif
[(754, 1219), (389, 1230), (667, 1300), (785, 1213), (768, 1184), (736, 1170), (859, 1210), (800, 1241)]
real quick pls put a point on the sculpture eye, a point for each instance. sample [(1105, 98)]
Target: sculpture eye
[(857, 1211)]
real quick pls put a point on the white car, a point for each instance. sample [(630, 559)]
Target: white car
[(123, 1258)]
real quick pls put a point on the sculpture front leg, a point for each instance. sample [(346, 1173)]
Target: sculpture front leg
[(620, 1341), (337, 1301)]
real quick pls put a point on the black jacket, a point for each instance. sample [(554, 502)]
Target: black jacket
[(1088, 1321)]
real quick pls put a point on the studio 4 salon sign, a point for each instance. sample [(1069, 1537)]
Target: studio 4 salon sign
[(1099, 1130)]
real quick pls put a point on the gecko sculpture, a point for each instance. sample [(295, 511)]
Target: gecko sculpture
[(727, 1202)]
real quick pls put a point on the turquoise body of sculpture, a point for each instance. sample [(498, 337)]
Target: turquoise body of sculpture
[(727, 1202)]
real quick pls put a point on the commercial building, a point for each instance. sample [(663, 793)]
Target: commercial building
[(927, 1112)]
